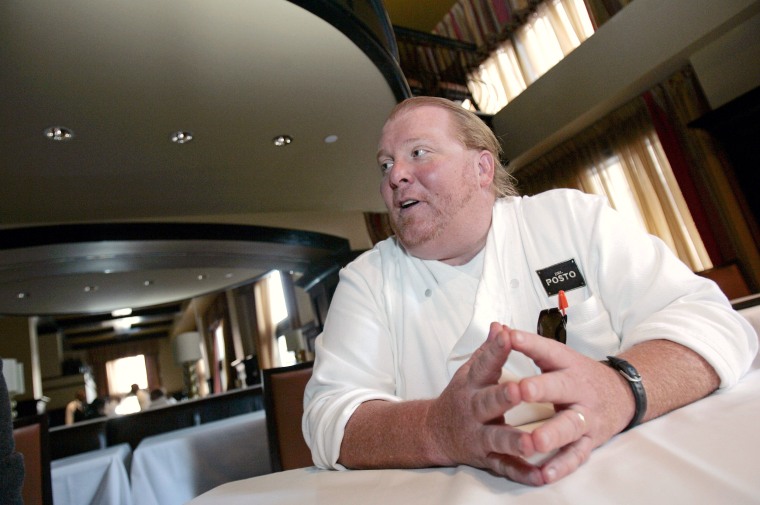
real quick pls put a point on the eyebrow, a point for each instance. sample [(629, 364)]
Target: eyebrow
[(406, 142)]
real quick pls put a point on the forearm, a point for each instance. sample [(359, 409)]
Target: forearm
[(383, 434), (673, 375)]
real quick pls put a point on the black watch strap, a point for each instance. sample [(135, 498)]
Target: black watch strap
[(634, 379)]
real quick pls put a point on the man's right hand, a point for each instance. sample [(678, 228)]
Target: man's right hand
[(466, 422), (464, 425)]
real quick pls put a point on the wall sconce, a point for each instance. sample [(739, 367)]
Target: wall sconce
[(13, 372), (187, 352)]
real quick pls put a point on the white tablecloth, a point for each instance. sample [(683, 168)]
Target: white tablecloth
[(174, 467), (704, 453), (93, 478)]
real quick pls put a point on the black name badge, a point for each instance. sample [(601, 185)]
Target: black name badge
[(562, 276)]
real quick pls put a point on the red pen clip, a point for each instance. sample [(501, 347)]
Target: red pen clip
[(562, 302)]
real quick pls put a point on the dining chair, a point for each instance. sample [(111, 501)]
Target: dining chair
[(30, 435), (283, 403), (730, 278)]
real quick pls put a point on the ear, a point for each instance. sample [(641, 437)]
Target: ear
[(486, 167)]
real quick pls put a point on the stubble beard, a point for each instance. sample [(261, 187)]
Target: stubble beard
[(416, 230)]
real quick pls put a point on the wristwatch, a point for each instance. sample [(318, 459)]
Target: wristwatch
[(634, 379)]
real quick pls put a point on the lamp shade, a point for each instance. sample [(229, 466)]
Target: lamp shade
[(187, 347)]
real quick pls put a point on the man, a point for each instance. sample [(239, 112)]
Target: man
[(429, 357)]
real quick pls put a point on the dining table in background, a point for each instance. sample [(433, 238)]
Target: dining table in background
[(93, 478), (174, 467)]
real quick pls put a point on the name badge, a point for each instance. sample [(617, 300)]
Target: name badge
[(562, 276)]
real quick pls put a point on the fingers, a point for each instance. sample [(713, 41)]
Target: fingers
[(516, 469), (564, 428), (492, 402), (485, 364), (506, 440), (567, 460), (548, 354)]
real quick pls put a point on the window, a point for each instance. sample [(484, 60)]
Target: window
[(220, 358), (615, 187), (550, 33), (279, 313), (124, 372), (621, 158)]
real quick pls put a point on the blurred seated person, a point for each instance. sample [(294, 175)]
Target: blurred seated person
[(95, 409), (143, 397), (75, 409), (158, 398), (135, 401)]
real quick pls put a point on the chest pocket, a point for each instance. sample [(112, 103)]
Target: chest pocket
[(589, 329)]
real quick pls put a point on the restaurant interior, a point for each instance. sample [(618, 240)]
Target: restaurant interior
[(181, 183)]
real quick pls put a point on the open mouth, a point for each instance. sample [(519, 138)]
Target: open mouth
[(408, 203)]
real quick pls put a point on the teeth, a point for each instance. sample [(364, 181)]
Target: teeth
[(407, 203)]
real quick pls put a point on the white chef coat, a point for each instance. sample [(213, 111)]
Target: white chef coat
[(394, 330)]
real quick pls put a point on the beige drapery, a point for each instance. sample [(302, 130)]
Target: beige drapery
[(549, 34), (681, 99), (265, 343), (623, 143)]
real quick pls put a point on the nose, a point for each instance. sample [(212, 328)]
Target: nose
[(399, 174)]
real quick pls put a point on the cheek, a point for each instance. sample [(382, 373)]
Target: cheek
[(386, 192)]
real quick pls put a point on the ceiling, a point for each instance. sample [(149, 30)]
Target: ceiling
[(123, 76)]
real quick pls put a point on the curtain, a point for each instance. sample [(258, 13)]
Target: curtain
[(621, 158), (681, 100), (545, 37), (265, 343)]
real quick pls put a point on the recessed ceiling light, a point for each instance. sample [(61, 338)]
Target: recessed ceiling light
[(331, 139), (59, 133), (22, 295), (201, 277), (121, 312), (282, 140), (181, 137), (90, 289), (148, 283)]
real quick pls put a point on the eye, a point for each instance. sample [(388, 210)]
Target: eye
[(416, 153), (385, 166)]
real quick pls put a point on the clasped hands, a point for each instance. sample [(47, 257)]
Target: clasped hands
[(467, 424)]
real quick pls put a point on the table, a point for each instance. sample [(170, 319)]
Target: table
[(175, 467), (705, 453), (95, 477)]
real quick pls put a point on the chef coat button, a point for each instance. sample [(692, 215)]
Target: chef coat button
[(514, 283), (428, 292)]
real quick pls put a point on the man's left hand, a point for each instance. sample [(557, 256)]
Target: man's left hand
[(592, 402)]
